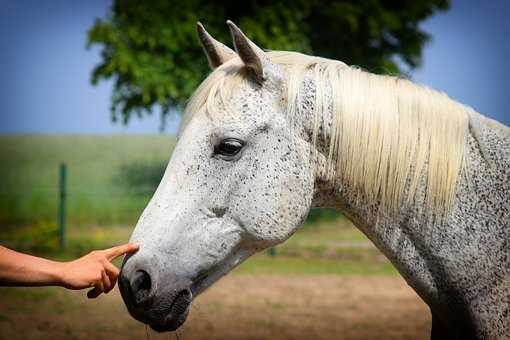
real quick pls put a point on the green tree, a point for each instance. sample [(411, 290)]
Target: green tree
[(151, 51)]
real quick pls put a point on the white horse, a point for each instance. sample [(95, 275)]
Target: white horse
[(268, 135)]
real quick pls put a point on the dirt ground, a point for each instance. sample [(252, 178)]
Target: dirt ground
[(238, 307)]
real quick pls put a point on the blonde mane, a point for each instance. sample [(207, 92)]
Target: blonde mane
[(387, 135)]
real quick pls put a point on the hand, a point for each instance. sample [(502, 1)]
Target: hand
[(94, 270)]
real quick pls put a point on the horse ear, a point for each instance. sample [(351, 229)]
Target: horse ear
[(253, 57), (216, 52)]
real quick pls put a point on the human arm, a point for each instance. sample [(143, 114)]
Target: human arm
[(92, 270)]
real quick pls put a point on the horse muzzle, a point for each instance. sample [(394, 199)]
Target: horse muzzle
[(162, 310)]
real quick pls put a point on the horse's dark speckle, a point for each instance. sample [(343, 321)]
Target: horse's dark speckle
[(459, 264)]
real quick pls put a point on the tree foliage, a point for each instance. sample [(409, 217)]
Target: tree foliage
[(151, 51)]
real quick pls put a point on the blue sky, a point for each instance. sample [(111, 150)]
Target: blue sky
[(45, 67)]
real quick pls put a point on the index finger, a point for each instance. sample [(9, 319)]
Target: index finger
[(114, 252)]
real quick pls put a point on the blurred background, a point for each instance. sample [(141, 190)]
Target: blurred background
[(90, 100)]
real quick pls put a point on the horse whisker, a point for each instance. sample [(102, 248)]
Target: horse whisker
[(147, 332)]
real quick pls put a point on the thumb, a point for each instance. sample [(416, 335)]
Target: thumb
[(93, 293)]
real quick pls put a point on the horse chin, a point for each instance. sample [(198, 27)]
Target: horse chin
[(179, 309), (172, 317), (172, 322)]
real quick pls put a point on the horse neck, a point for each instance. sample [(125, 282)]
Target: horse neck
[(440, 258), (389, 232)]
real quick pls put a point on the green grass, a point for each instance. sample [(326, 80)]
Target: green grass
[(96, 195), (330, 247)]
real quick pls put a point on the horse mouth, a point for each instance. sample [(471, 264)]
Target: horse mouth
[(179, 310), (178, 313), (199, 283)]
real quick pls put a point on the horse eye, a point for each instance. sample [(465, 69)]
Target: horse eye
[(228, 147)]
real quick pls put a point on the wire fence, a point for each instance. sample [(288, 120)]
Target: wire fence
[(35, 214), (78, 199)]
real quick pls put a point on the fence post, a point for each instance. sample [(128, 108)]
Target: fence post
[(62, 204)]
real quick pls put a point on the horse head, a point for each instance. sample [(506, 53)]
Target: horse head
[(239, 180)]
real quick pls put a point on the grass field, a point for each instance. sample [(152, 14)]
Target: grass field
[(326, 282), (100, 169)]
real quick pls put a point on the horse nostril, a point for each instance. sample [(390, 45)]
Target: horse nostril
[(141, 286), (141, 281)]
